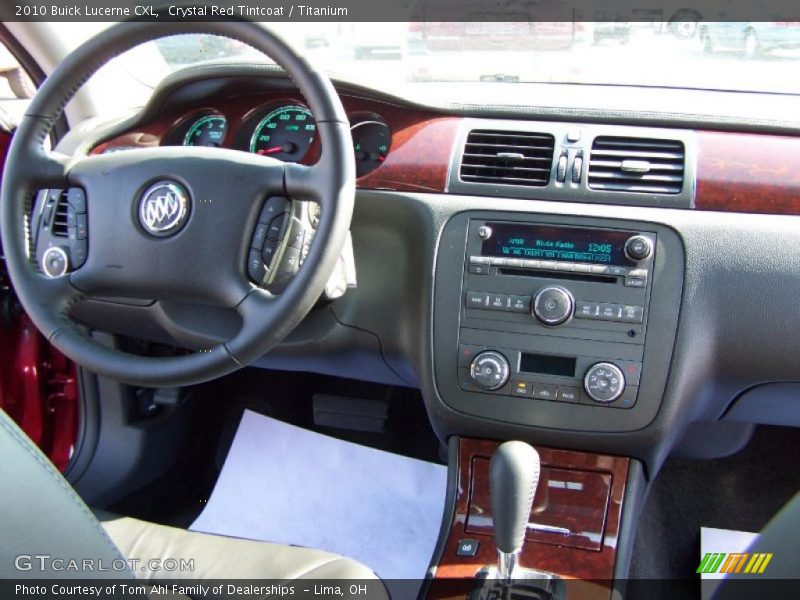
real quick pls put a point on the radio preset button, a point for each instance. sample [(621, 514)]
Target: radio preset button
[(553, 306), (499, 301), (520, 304), (609, 312), (632, 314), (489, 370), (604, 382), (585, 310)]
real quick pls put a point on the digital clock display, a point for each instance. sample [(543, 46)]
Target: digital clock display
[(562, 244)]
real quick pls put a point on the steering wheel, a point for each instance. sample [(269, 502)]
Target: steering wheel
[(212, 200)]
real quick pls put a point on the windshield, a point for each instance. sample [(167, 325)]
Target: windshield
[(752, 56)]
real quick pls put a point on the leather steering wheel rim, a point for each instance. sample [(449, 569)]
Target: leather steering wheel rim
[(266, 319)]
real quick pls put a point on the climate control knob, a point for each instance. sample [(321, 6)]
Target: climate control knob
[(553, 306), (604, 382), (489, 370)]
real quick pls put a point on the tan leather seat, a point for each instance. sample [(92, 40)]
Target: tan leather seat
[(219, 557), (40, 514)]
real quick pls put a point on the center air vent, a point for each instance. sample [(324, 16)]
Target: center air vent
[(626, 164), (507, 157)]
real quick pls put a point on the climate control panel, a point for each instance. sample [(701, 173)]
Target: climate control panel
[(588, 380)]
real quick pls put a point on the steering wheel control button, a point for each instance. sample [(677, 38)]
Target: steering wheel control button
[(76, 198), (77, 253), (54, 262), (290, 262), (164, 208), (553, 306), (272, 208), (638, 247), (276, 227), (490, 370), (604, 382), (259, 235), (296, 235), (255, 267), (268, 251)]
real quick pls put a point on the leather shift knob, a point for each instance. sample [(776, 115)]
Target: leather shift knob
[(513, 478)]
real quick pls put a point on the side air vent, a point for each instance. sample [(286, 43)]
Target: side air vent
[(59, 228), (627, 164), (507, 157)]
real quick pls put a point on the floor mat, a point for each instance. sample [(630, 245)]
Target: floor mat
[(284, 484), (741, 492)]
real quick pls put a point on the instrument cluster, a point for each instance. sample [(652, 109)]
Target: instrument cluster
[(285, 131)]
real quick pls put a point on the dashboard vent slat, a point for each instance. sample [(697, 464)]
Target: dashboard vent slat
[(59, 228), (507, 157), (625, 164)]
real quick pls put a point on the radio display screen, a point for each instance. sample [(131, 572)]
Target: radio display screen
[(566, 244)]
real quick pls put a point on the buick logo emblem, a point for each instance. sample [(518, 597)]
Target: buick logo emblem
[(164, 208)]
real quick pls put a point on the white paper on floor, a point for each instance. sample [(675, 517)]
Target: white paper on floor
[(726, 541), (284, 484)]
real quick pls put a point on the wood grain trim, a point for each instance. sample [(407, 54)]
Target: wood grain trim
[(739, 172), (594, 569), (418, 160)]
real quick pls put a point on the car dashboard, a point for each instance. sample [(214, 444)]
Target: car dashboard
[(592, 284)]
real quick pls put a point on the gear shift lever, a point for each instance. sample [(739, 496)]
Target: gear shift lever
[(513, 478)]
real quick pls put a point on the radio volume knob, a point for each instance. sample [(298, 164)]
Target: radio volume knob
[(638, 247), (489, 370), (604, 382), (553, 306)]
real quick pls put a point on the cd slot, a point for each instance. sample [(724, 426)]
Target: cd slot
[(557, 275)]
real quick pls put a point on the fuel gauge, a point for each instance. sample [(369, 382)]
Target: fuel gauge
[(371, 142)]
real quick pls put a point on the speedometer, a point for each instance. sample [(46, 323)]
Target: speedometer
[(286, 133), (207, 131)]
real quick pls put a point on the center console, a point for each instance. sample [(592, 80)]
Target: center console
[(573, 530), (556, 321)]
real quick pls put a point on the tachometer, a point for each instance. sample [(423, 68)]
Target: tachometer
[(286, 133), (207, 131), (371, 141)]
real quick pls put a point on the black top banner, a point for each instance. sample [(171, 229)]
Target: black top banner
[(669, 11)]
